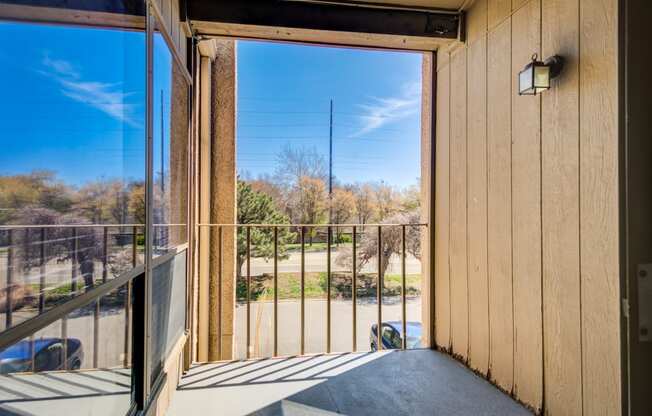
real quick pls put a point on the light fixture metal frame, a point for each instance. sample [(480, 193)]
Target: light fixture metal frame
[(536, 76)]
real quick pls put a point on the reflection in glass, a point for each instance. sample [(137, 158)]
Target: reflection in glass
[(73, 162), (76, 363), (170, 199), (170, 155)]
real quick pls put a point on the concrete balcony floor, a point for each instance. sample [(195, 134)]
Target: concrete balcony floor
[(416, 382), (86, 392)]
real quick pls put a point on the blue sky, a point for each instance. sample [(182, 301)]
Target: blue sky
[(284, 93), (74, 103)]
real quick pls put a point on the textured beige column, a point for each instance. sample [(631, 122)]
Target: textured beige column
[(427, 169), (223, 193), (203, 288)]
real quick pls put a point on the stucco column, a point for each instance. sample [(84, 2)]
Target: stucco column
[(223, 195)]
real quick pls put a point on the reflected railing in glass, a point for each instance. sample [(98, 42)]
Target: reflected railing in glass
[(42, 266), (310, 288), (85, 355)]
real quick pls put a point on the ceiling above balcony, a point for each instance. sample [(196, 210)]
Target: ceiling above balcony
[(425, 4), (410, 24)]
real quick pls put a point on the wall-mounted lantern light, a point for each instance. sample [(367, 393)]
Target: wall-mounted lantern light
[(536, 75)]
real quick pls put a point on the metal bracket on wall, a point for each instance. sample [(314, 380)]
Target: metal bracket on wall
[(644, 286)]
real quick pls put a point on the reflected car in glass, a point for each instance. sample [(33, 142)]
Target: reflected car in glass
[(47, 355), (392, 335)]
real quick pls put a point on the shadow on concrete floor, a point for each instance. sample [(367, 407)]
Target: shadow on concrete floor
[(416, 382)]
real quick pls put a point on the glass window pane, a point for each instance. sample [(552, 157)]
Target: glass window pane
[(170, 155), (72, 169), (77, 365)]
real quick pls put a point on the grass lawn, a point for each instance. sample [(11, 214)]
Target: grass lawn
[(315, 247), (289, 286)]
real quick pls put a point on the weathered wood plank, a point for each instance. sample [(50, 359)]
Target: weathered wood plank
[(599, 227), (428, 167), (497, 11), (458, 211), (561, 240), (526, 212), (476, 21), (477, 206), (442, 209), (499, 206)]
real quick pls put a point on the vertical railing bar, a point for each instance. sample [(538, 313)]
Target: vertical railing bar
[(328, 289), (41, 280), (126, 359), (64, 337), (275, 291), (105, 253), (96, 332), (354, 289), (10, 280), (96, 312), (75, 248), (220, 272), (379, 291), (403, 288), (32, 352), (303, 290), (248, 292)]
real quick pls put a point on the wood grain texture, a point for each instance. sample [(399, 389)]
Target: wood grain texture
[(458, 208), (320, 36), (476, 21), (499, 226), (517, 4), (526, 212), (477, 206), (560, 213), (442, 209), (497, 11), (427, 170), (599, 229)]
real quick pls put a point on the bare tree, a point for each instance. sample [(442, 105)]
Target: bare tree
[(310, 202), (390, 243), (387, 201), (343, 209), (365, 203), (294, 163)]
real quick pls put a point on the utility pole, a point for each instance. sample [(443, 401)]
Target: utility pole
[(330, 168), (162, 148)]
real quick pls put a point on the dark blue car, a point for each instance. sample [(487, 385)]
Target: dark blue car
[(392, 335), (47, 356)]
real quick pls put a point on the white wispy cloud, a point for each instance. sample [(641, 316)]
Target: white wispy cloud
[(386, 110), (106, 97)]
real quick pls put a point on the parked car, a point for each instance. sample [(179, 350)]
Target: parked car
[(47, 353), (392, 335)]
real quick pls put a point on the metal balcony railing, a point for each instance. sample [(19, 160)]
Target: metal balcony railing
[(303, 230)]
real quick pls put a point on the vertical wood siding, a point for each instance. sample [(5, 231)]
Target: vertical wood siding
[(526, 272)]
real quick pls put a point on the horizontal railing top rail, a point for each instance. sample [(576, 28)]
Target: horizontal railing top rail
[(316, 225), (24, 226)]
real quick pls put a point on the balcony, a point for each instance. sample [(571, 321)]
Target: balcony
[(415, 382)]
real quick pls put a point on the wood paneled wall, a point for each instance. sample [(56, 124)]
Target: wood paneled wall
[(527, 272)]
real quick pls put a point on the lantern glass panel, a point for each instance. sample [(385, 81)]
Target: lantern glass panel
[(541, 76), (526, 80)]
